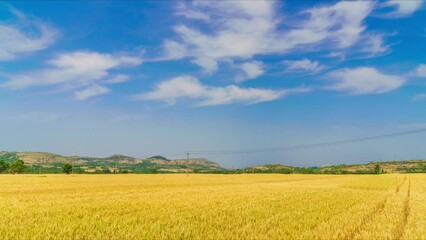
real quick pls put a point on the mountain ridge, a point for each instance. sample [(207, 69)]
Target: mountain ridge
[(52, 163), (112, 163)]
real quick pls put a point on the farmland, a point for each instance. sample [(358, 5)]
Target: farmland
[(388, 206)]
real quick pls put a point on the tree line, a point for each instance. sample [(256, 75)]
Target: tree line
[(16, 167), (19, 166)]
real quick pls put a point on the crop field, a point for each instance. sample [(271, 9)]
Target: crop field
[(248, 206)]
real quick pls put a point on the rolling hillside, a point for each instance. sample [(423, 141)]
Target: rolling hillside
[(409, 166), (49, 162), (52, 163)]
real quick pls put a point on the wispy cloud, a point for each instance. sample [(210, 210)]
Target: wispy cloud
[(402, 8), (119, 78), (209, 65), (172, 50), (250, 70), (420, 71), (304, 65), (183, 10), (72, 70), (16, 38), (373, 45), (335, 26), (91, 91), (189, 87), (363, 80)]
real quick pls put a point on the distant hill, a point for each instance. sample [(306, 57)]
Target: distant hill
[(49, 162), (270, 168), (52, 163), (158, 157), (409, 166)]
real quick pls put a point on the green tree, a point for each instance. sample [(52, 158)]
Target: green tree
[(18, 167), (67, 168), (377, 169), (4, 166)]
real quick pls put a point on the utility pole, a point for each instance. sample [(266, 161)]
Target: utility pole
[(187, 155)]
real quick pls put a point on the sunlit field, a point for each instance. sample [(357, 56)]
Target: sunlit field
[(213, 206)]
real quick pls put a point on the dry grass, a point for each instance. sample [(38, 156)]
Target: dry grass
[(212, 206)]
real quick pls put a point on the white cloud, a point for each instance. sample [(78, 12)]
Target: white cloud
[(304, 65), (169, 91), (183, 10), (208, 64), (420, 71), (91, 91), (74, 69), (364, 80), (340, 24), (402, 8), (119, 78), (16, 40), (189, 87), (232, 21), (243, 29), (373, 44), (234, 94), (173, 50), (369, 45), (419, 97), (251, 70)]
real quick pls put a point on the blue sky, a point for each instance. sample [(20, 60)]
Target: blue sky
[(143, 78)]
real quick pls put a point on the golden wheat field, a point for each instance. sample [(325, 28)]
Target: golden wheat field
[(213, 206)]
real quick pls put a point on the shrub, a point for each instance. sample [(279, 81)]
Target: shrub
[(67, 168), (4, 166), (377, 169), (18, 167)]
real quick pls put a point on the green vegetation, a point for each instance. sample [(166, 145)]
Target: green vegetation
[(18, 167), (377, 169), (67, 168), (44, 163), (412, 166), (4, 166), (8, 157), (39, 162)]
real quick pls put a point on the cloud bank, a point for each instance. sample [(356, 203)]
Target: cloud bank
[(364, 80), (190, 88), (75, 70), (244, 29)]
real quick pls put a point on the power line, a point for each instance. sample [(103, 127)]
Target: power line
[(305, 146)]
